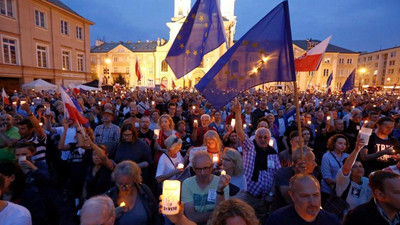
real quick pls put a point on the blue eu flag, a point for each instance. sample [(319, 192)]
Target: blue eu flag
[(202, 32), (263, 54), (349, 84)]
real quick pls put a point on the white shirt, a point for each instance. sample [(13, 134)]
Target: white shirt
[(14, 214), (358, 193), (165, 165)]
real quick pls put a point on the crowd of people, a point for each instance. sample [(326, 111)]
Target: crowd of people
[(242, 164)]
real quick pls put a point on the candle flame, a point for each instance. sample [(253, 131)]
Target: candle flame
[(122, 204)]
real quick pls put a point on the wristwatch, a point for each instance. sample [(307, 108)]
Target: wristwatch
[(220, 192)]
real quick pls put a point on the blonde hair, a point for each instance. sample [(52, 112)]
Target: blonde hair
[(236, 158), (172, 141), (168, 117), (213, 135), (231, 208)]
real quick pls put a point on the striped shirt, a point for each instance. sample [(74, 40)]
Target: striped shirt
[(40, 146), (263, 187)]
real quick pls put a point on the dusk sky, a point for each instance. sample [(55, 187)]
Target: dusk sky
[(358, 25)]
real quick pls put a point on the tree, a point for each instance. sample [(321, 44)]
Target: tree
[(119, 79)]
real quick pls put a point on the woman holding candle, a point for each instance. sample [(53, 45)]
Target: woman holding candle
[(232, 164), (167, 129), (134, 200), (171, 163), (214, 145)]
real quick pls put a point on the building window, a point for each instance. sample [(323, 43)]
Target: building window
[(341, 61), (369, 58), (66, 63), (127, 69), (310, 73), (41, 52), (81, 64), (164, 66), (327, 60), (390, 71), (151, 71), (326, 72), (93, 59), (391, 63), (349, 61), (150, 82), (377, 57), (10, 51), (235, 66), (79, 33), (40, 19), (115, 59), (7, 8), (64, 27), (393, 54), (115, 69)]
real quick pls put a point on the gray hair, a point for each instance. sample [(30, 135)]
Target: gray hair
[(127, 168), (101, 204), (205, 115), (200, 155), (263, 129)]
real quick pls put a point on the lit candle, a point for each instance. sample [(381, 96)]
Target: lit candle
[(157, 132), (180, 166), (41, 124), (328, 117), (99, 102), (122, 204), (215, 158), (244, 126), (193, 107), (365, 121), (233, 121), (170, 197), (309, 122), (271, 142), (37, 97), (23, 102), (153, 102), (195, 122), (223, 172)]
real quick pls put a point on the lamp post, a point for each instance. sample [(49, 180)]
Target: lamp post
[(106, 70)]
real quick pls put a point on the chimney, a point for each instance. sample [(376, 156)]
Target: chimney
[(138, 41), (99, 42)]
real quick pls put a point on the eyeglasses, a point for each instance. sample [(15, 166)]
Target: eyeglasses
[(124, 186), (127, 135), (206, 169)]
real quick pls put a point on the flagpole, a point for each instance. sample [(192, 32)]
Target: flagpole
[(308, 85), (296, 100)]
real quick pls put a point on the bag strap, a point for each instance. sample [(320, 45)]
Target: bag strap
[(336, 159), (169, 159), (346, 191)]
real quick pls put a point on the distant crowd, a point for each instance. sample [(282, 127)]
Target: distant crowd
[(241, 164)]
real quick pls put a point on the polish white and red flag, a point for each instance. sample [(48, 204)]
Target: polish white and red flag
[(5, 97), (311, 60), (137, 68), (70, 110)]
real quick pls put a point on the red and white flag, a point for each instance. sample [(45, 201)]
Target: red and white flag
[(173, 84), (137, 70), (163, 85), (70, 111), (311, 60), (5, 97)]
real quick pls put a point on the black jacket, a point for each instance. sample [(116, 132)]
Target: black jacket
[(365, 214)]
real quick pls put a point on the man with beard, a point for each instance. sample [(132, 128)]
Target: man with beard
[(304, 190), (384, 208)]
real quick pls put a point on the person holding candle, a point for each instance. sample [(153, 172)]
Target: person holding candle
[(232, 164), (167, 129), (204, 191), (213, 144), (199, 131), (167, 168), (140, 204)]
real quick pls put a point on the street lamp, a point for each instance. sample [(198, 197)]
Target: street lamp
[(106, 71)]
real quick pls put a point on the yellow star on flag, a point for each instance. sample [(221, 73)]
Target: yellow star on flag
[(206, 25), (261, 51), (187, 51), (232, 77), (201, 50), (245, 42), (255, 45), (179, 37), (181, 45), (241, 78), (194, 52), (201, 18), (193, 16), (226, 72), (205, 34)]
